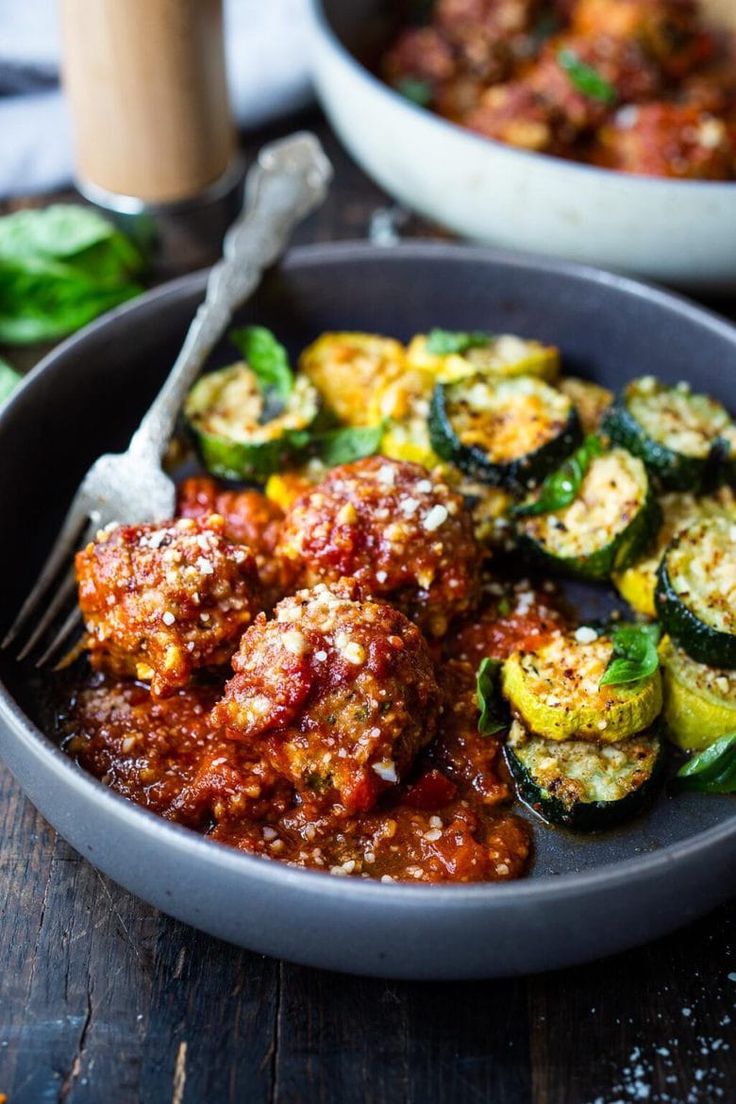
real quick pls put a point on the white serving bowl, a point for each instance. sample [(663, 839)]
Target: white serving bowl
[(677, 231)]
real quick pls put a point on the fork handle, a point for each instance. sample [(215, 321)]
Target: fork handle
[(289, 180)]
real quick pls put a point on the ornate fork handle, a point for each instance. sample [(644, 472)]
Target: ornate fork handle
[(289, 180)]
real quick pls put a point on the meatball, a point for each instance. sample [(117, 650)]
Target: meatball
[(401, 533), (669, 30), (546, 111), (337, 693), (664, 139), (250, 518), (161, 601)]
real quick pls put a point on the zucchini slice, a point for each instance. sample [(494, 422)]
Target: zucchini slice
[(590, 399), (608, 526), (696, 592), (350, 371), (501, 356), (699, 701), (241, 432), (509, 433), (555, 691), (636, 584), (581, 785), (674, 430)]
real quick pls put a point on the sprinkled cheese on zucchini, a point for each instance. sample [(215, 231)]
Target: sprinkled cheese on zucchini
[(508, 432), (612, 519), (555, 692), (696, 591), (699, 701), (501, 356), (582, 785), (674, 430), (242, 431), (350, 370), (637, 583), (590, 399)]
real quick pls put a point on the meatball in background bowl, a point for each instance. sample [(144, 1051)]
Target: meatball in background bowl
[(681, 232), (584, 897)]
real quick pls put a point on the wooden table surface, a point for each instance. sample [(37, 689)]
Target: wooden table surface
[(104, 1000)]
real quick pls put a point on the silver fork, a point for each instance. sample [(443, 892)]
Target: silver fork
[(289, 181)]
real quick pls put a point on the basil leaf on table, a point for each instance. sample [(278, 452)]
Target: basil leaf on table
[(342, 446), (59, 268), (712, 770), (634, 655), (9, 380), (415, 89), (267, 358), (445, 342), (561, 487), (586, 79), (491, 719)]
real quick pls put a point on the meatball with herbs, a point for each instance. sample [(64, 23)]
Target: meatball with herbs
[(161, 601), (250, 518), (396, 529), (337, 693)]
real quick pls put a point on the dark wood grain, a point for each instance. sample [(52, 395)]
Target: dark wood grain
[(103, 999)]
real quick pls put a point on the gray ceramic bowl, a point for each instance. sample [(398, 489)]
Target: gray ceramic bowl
[(586, 897)]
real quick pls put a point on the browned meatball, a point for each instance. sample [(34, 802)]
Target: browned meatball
[(669, 30), (161, 601), (337, 693), (400, 532), (547, 111), (664, 139), (250, 518)]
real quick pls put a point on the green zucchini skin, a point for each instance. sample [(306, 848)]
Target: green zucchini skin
[(236, 460), (557, 803), (517, 476), (673, 471), (702, 643)]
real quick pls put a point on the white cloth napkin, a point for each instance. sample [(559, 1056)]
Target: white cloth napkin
[(267, 68)]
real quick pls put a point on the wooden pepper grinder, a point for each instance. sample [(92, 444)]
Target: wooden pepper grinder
[(155, 140)]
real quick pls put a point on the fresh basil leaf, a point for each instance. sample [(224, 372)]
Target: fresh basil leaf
[(43, 299), (634, 654), (61, 230), (712, 770), (561, 487), (341, 446), (491, 719), (445, 342), (266, 357), (9, 380), (416, 89), (59, 268), (586, 79)]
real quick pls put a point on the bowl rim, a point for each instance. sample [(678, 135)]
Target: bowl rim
[(270, 872), (442, 126)]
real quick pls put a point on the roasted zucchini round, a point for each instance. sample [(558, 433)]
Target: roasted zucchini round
[(696, 592), (673, 429), (613, 519), (699, 701), (590, 399), (501, 356), (581, 785), (242, 432), (555, 692), (508, 433), (637, 583), (350, 371)]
